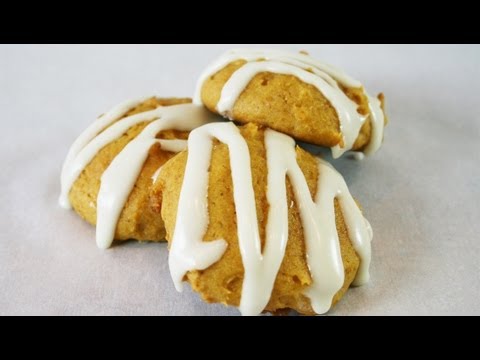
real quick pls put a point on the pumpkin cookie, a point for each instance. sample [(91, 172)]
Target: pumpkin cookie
[(108, 172), (296, 95), (256, 222)]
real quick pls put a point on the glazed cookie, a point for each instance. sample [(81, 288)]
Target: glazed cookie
[(108, 172), (296, 95), (256, 222)]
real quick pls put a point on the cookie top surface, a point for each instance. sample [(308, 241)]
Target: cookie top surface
[(254, 222)]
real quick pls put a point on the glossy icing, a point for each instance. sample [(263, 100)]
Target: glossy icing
[(120, 176), (189, 252), (324, 77)]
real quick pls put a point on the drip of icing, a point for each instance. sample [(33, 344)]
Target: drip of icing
[(121, 175), (357, 155), (377, 118), (324, 77), (189, 251)]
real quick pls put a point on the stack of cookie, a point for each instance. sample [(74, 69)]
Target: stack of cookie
[(252, 220)]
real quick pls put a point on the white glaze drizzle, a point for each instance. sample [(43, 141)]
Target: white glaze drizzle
[(69, 175), (121, 175), (189, 251), (377, 119), (324, 77)]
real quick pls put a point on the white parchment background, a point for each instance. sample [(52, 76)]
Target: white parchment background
[(421, 192)]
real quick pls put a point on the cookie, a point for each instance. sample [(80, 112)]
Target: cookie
[(296, 95), (108, 172), (256, 222)]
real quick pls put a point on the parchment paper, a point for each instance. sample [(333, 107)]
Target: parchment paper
[(421, 192)]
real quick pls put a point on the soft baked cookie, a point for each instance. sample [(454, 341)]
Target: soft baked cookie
[(243, 234), (296, 95), (108, 172)]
